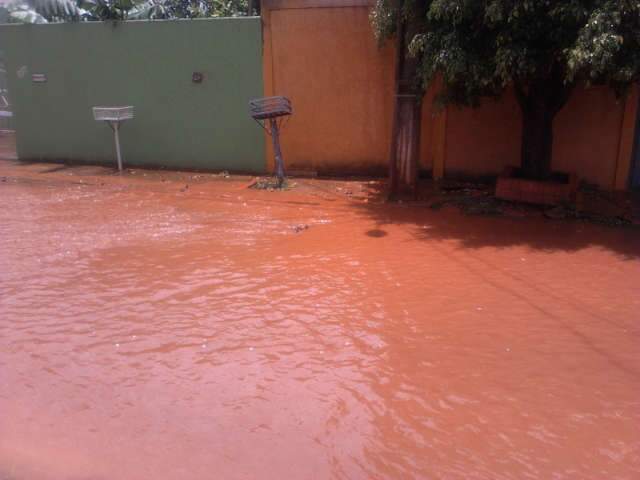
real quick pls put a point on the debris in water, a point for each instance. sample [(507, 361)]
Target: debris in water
[(300, 228), (271, 184)]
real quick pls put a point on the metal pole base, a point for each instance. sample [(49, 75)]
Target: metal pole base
[(275, 135), (116, 135)]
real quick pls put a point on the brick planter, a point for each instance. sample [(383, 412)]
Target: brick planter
[(552, 192)]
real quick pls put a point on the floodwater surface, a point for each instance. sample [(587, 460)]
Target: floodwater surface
[(181, 326)]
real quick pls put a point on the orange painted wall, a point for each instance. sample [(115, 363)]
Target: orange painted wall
[(328, 63), (483, 141), (322, 54), (586, 136)]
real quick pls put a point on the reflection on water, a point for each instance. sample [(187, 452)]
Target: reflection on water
[(153, 331)]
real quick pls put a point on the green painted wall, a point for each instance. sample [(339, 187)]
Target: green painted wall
[(6, 123), (149, 65)]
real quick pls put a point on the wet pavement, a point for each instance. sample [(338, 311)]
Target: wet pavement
[(175, 325)]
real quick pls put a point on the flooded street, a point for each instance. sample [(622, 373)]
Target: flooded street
[(162, 325)]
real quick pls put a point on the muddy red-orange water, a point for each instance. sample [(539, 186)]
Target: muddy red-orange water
[(154, 331)]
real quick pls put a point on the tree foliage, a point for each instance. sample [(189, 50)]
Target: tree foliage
[(44, 11), (41, 11), (482, 46), (167, 9), (543, 48), (105, 9)]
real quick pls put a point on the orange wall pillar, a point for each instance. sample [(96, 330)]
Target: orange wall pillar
[(627, 138)]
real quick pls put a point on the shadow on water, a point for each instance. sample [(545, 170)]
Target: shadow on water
[(480, 231), (475, 232), (376, 233)]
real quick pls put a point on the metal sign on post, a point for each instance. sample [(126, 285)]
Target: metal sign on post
[(114, 116), (273, 110)]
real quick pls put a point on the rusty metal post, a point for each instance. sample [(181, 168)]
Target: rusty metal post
[(267, 112), (275, 135)]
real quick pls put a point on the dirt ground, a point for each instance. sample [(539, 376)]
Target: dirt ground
[(171, 325)]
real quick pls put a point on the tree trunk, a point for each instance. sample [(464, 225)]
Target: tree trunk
[(540, 102), (405, 133), (537, 142)]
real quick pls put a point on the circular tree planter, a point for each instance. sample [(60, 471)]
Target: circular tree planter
[(560, 189)]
